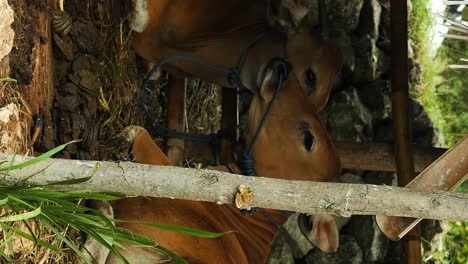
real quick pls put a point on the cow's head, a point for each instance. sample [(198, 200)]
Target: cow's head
[(294, 143)]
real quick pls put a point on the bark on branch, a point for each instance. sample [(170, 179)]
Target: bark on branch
[(221, 187)]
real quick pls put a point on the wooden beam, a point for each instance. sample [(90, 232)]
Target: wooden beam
[(380, 156), (356, 156)]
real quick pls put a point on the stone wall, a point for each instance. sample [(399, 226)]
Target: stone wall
[(360, 110)]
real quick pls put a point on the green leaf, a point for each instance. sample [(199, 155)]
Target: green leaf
[(171, 254), (23, 216), (40, 158), (180, 229)]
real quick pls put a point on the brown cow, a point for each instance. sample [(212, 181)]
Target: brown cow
[(285, 149), (217, 32), (292, 145), (251, 243)]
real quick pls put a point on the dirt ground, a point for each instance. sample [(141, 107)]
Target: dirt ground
[(96, 78)]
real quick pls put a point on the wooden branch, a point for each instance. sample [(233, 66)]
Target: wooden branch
[(220, 187)]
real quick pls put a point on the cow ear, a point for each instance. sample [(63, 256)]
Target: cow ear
[(287, 14), (328, 72)]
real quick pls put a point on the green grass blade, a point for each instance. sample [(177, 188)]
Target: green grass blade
[(101, 238), (69, 182), (64, 239), (23, 216), (40, 158), (20, 201), (6, 243), (180, 229), (94, 196), (27, 236), (8, 79), (12, 160), (4, 201)]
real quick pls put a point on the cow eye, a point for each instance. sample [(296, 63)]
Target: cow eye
[(308, 140), (310, 80)]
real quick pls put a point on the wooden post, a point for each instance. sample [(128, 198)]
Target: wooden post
[(175, 118), (400, 113), (228, 116), (41, 88)]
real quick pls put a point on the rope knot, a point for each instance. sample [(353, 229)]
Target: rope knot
[(247, 164)]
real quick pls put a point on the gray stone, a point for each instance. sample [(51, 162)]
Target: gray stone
[(384, 29), (314, 13), (383, 130), (348, 252), (7, 36), (380, 178), (431, 232), (293, 229), (348, 118), (376, 96), (383, 63), (367, 59), (281, 252), (345, 42), (343, 14), (351, 178), (422, 128), (370, 18), (367, 234)]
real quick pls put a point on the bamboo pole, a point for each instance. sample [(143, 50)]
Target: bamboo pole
[(400, 113)]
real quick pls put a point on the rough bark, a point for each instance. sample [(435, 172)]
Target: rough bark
[(221, 187)]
